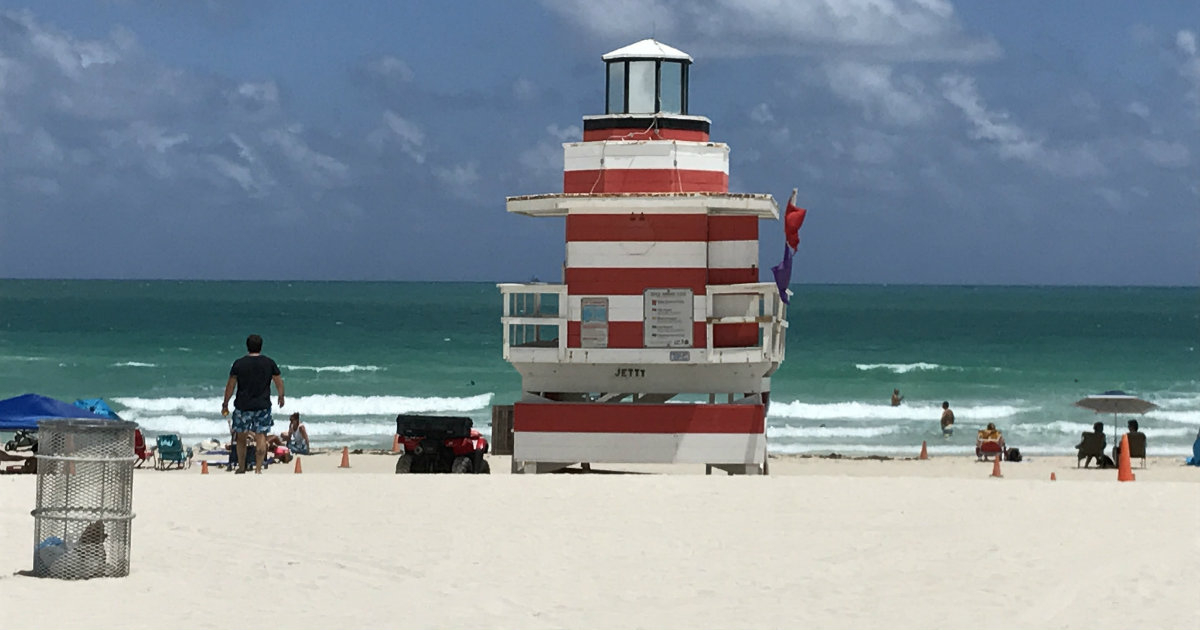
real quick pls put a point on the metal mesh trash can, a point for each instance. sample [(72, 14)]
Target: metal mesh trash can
[(84, 498)]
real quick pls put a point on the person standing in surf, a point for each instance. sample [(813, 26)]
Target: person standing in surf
[(947, 420), (897, 398), (252, 376)]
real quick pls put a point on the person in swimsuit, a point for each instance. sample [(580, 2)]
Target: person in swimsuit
[(947, 420), (296, 437)]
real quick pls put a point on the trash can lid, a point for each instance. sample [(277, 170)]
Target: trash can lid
[(84, 425)]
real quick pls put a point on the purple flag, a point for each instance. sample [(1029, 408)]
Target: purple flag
[(783, 273)]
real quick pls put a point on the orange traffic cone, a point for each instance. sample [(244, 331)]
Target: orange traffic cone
[(1124, 469), (298, 470), (396, 444), (996, 467), (924, 451), (1052, 477), (345, 457), (203, 467)]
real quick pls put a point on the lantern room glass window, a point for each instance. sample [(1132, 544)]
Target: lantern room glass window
[(642, 87), (672, 88), (616, 88), (646, 86)]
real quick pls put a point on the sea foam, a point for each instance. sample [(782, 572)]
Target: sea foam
[(319, 405)]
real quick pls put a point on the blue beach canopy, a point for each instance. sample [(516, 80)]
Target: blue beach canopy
[(23, 412), (98, 407)]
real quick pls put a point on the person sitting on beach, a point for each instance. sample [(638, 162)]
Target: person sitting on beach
[(1194, 460), (990, 434), (296, 437), (1096, 448), (947, 420), (1133, 429), (896, 398)]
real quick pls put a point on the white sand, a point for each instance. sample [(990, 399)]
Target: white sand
[(820, 543)]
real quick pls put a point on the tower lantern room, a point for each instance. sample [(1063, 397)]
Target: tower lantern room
[(647, 78), (660, 299)]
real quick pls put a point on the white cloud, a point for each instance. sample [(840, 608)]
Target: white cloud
[(408, 133), (1010, 140), (570, 133), (882, 30), (461, 180), (43, 186), (1113, 198), (761, 114), (872, 147), (1190, 68), (316, 167), (524, 90), (266, 93), (392, 69), (883, 97), (1139, 109), (150, 136), (1166, 154), (239, 173), (1186, 41)]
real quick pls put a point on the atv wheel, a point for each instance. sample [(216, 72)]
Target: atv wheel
[(404, 464), (484, 468), (461, 466)]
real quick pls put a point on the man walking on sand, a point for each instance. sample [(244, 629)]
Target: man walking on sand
[(252, 375), (947, 420)]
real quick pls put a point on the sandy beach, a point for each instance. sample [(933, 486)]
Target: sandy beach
[(819, 543)]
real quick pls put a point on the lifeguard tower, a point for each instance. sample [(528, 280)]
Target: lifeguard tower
[(659, 345)]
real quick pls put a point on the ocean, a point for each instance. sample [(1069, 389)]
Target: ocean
[(355, 354)]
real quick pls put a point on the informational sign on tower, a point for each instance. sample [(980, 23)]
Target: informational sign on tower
[(668, 318), (593, 324)]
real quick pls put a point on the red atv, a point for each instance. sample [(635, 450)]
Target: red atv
[(440, 444)]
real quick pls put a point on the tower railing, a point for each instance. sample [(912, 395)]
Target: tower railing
[(765, 308), (535, 318)]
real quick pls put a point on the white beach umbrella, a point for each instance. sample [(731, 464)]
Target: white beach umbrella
[(1117, 403)]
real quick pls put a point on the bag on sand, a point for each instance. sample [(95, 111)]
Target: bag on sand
[(1106, 462), (1013, 454)]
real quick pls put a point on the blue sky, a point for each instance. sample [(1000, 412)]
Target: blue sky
[(933, 142)]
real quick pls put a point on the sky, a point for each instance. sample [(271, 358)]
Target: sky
[(932, 142)]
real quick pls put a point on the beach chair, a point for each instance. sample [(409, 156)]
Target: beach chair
[(140, 450), (1137, 448), (1090, 446), (171, 453), (988, 449)]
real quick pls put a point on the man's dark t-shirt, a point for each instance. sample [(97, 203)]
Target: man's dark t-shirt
[(253, 382)]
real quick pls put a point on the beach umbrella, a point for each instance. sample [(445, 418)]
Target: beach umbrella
[(98, 407), (23, 412), (1116, 402)]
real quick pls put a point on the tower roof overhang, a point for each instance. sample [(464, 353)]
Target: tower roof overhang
[(648, 49), (560, 204)]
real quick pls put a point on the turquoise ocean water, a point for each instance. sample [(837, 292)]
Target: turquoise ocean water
[(354, 355)]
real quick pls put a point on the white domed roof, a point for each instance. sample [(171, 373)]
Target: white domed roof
[(647, 49)]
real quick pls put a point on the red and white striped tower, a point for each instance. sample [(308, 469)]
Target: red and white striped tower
[(660, 299)]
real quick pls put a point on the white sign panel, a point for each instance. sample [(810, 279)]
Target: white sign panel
[(668, 318), (593, 325)]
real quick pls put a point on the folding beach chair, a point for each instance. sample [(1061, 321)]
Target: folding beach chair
[(1091, 446), (140, 450), (171, 453)]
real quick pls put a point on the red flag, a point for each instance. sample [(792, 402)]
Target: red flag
[(793, 218)]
